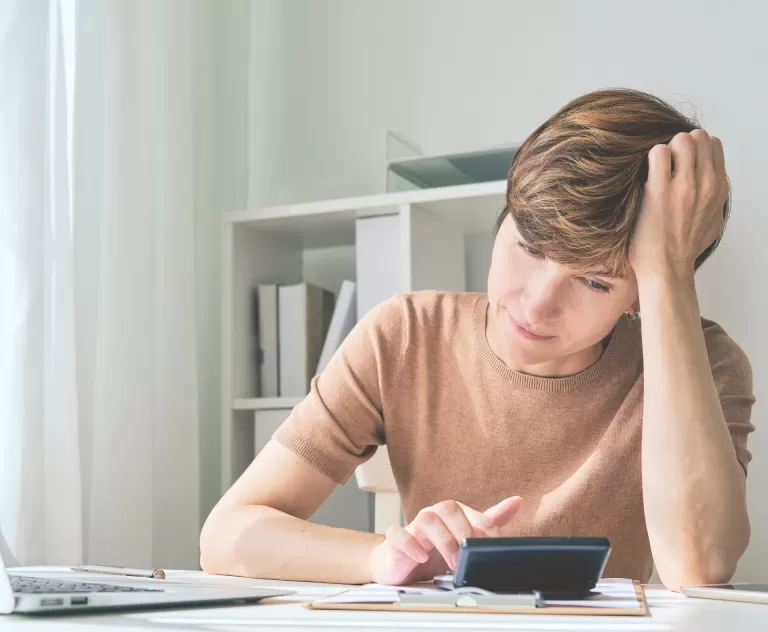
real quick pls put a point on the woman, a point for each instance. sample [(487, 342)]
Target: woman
[(543, 407)]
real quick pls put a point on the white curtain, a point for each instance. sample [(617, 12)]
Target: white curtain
[(39, 452), (99, 453)]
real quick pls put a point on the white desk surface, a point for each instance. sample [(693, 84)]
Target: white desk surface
[(670, 611)]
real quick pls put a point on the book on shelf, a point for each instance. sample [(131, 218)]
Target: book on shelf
[(267, 357), (343, 320), (304, 315)]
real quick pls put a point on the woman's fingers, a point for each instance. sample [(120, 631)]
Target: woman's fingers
[(484, 526), (455, 518), (430, 526), (505, 511), (659, 164), (445, 525), (718, 156), (405, 542), (683, 149), (703, 151), (718, 161)]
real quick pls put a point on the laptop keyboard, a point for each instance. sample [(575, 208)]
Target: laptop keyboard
[(28, 585)]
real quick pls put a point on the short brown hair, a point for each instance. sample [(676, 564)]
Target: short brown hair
[(576, 184)]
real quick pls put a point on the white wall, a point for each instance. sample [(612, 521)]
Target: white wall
[(268, 38), (456, 75), (223, 186)]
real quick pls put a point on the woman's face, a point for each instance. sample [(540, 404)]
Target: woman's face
[(545, 318)]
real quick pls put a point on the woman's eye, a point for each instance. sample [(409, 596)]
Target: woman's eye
[(528, 249), (597, 287)]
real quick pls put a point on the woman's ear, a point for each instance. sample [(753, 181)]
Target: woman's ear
[(634, 311)]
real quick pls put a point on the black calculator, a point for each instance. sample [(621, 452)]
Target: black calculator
[(555, 567)]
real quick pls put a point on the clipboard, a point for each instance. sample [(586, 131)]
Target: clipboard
[(478, 604)]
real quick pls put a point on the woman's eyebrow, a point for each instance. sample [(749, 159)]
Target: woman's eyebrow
[(604, 273)]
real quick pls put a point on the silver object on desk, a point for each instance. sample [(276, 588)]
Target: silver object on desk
[(754, 593), (156, 573), (38, 590)]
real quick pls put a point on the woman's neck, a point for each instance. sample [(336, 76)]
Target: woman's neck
[(562, 366)]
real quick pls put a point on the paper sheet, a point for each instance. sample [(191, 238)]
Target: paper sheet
[(614, 593), (378, 593)]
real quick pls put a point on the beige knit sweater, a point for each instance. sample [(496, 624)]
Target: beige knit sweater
[(417, 374)]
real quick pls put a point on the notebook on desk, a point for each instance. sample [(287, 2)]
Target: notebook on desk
[(613, 597)]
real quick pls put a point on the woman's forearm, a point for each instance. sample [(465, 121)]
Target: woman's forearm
[(258, 541), (693, 487)]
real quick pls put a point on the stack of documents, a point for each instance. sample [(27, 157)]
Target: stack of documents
[(377, 593), (612, 593), (609, 593)]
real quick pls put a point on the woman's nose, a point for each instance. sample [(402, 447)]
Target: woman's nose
[(540, 299)]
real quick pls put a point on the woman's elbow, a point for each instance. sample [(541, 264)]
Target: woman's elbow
[(696, 577), (229, 541), (717, 565), (207, 546), (214, 543), (715, 568)]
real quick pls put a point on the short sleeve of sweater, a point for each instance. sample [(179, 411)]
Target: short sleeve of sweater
[(732, 373), (340, 423)]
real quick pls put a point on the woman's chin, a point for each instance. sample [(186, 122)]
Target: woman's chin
[(524, 353)]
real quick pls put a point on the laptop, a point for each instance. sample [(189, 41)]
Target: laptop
[(37, 592)]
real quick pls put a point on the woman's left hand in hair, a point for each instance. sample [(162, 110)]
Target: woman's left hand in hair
[(682, 209)]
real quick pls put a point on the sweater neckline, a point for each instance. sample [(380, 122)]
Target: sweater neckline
[(547, 384)]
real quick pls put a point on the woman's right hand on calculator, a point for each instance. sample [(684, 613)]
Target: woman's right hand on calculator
[(429, 545)]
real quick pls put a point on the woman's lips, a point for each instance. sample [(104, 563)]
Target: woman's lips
[(528, 335)]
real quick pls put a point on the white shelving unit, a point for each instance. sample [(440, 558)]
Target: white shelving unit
[(284, 245)]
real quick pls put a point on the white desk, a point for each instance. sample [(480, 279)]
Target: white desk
[(670, 611)]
